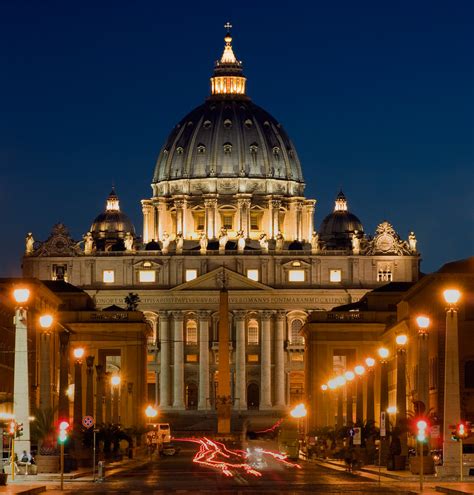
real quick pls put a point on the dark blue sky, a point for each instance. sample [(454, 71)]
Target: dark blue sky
[(377, 96)]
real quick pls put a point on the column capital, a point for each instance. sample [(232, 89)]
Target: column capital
[(280, 315), (90, 361), (178, 315), (266, 315), (210, 202), (239, 314), (244, 202), (204, 314), (99, 368), (163, 315)]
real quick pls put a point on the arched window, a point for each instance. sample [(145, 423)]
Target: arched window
[(252, 332), (191, 332), (295, 337), (469, 374)]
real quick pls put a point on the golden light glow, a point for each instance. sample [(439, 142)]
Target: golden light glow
[(332, 384), (45, 321), (359, 370), (147, 276), (383, 352), (108, 276), (299, 411), (324, 387), (296, 276), (392, 410), (401, 339), (349, 375), (422, 321), (78, 352), (228, 85), (115, 380), (335, 276), (21, 295), (340, 380), (70, 391), (151, 412), (452, 296), (370, 362)]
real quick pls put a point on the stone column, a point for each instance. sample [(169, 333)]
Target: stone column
[(90, 386), (383, 407), (370, 414), (299, 220), (266, 361), (280, 359), (178, 363), (270, 218), (77, 420), (340, 400), (115, 404), (21, 389), (159, 227), (402, 396), (108, 397), (423, 370), (452, 400), (45, 370), (240, 365), (99, 399), (210, 205), (204, 319), (349, 403), (359, 401), (147, 210), (63, 403), (164, 360), (310, 206), (179, 205), (244, 216)]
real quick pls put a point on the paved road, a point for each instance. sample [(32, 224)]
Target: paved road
[(178, 474)]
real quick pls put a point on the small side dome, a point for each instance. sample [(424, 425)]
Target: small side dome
[(337, 228), (111, 226)]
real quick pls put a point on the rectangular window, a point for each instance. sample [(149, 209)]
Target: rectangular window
[(255, 220), (384, 276), (191, 358), (252, 358), (199, 220), (227, 220), (335, 275), (252, 274), (108, 276), (147, 275), (191, 274), (296, 276)]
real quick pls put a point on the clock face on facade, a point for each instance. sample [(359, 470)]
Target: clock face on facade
[(384, 243)]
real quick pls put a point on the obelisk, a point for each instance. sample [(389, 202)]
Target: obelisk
[(224, 400)]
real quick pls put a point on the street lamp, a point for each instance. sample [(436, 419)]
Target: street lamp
[(115, 381), (383, 353), (349, 376), (359, 371), (45, 321), (21, 390), (452, 402), (151, 412), (370, 415), (423, 322), (401, 392), (78, 355)]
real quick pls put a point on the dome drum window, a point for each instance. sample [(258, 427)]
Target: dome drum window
[(227, 148), (227, 123), (179, 151), (201, 149)]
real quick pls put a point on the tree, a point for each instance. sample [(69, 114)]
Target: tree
[(43, 430), (132, 301)]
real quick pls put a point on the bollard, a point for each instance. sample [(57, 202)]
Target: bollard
[(101, 471)]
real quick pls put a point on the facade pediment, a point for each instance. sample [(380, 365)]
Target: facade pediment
[(219, 277)]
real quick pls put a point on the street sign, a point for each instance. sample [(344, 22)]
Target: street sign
[(357, 438), (383, 430), (88, 421), (435, 431)]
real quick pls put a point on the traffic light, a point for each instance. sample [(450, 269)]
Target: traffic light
[(19, 430), (63, 433), (462, 431), (12, 428), (421, 427)]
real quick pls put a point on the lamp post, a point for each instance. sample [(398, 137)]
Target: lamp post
[(332, 385), (151, 413), (299, 413), (77, 420), (359, 371), (340, 382), (21, 390), (45, 321), (349, 376), (370, 414), (452, 403), (324, 389), (383, 354), (401, 409), (115, 381), (423, 322)]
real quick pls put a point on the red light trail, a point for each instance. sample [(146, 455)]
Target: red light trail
[(216, 455)]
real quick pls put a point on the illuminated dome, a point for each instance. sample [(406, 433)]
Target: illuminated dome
[(229, 137), (112, 224), (337, 228)]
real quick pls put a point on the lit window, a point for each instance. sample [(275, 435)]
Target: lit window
[(252, 274), (191, 358), (297, 356), (108, 276), (191, 274), (255, 220), (252, 332), (295, 336), (227, 220), (384, 274), (191, 332), (252, 358), (147, 264), (147, 275), (335, 276), (199, 221), (296, 276)]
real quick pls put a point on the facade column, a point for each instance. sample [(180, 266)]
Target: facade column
[(276, 203), (240, 392), (99, 399), (160, 224), (77, 418), (179, 205), (210, 205), (266, 361), (310, 207), (147, 210), (383, 407), (370, 413), (340, 401), (299, 220), (164, 359), (45, 370), (90, 386), (204, 319), (402, 396), (178, 363), (244, 216), (108, 397), (423, 370), (63, 403), (359, 401), (270, 218), (280, 359), (349, 403)]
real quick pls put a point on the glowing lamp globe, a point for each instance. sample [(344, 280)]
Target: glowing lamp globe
[(452, 296), (359, 370), (370, 362), (115, 380), (332, 384), (324, 387), (383, 352), (45, 321), (299, 411), (21, 295), (423, 322), (340, 381), (78, 352), (401, 339), (151, 412), (349, 375)]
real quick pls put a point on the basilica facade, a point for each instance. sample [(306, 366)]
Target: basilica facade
[(228, 209)]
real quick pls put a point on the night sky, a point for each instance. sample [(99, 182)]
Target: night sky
[(377, 96)]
